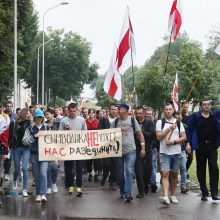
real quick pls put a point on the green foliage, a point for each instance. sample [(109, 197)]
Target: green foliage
[(193, 68), (57, 102), (26, 32), (67, 66)]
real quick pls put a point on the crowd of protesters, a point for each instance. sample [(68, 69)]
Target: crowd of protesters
[(146, 143)]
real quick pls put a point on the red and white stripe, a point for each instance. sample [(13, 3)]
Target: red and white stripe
[(175, 93), (112, 84), (126, 45), (175, 19)]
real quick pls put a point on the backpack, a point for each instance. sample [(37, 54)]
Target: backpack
[(132, 123), (164, 121)]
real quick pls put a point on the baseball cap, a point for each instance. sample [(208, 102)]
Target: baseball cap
[(124, 105), (38, 113)]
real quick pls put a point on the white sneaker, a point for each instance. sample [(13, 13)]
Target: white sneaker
[(164, 200), (25, 194), (54, 188), (49, 191), (15, 185), (174, 200), (7, 177), (43, 198), (38, 199)]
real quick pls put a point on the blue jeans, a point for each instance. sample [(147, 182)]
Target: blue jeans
[(39, 169), (52, 173), (154, 165), (126, 172), (170, 162), (21, 153), (183, 169)]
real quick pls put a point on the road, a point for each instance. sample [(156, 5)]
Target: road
[(99, 203)]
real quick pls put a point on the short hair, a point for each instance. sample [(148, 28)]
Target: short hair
[(1, 105), (18, 109), (31, 106), (9, 102), (112, 105), (167, 104), (50, 110), (72, 105), (140, 108), (149, 109), (93, 110), (204, 100), (177, 113)]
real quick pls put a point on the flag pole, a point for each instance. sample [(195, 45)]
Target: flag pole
[(135, 99), (164, 74)]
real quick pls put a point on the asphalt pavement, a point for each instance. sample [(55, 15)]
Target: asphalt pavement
[(99, 203)]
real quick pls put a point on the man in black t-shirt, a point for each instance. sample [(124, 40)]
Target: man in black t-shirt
[(203, 133)]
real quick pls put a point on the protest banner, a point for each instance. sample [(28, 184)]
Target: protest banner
[(80, 145)]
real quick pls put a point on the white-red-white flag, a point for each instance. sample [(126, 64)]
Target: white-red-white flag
[(126, 45), (112, 84), (175, 19), (217, 49), (175, 96)]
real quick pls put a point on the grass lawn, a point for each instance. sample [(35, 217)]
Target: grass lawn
[(192, 170)]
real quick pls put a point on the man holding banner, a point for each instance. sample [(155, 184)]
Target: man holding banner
[(73, 122)]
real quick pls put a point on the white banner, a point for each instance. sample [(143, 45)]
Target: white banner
[(80, 145)]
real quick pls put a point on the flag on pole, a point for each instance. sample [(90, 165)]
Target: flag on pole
[(175, 19), (126, 45), (112, 84), (217, 49), (175, 94)]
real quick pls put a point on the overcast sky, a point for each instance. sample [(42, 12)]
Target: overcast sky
[(100, 22)]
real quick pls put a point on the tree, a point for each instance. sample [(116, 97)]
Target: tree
[(67, 65), (27, 29), (187, 59)]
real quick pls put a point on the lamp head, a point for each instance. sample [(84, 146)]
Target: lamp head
[(64, 3)]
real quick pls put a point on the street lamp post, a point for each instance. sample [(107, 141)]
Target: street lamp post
[(38, 67), (62, 3), (15, 57)]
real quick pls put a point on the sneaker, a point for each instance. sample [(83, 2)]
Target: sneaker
[(71, 190), (7, 178), (48, 191), (78, 192), (128, 199), (38, 199), (112, 187), (164, 200), (54, 188), (15, 184), (43, 198), (153, 188), (25, 194), (174, 200), (184, 190), (90, 178)]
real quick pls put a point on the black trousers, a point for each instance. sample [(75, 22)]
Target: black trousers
[(109, 166), (72, 169), (203, 154), (143, 170), (96, 165)]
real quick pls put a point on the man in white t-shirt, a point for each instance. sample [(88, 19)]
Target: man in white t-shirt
[(170, 133)]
